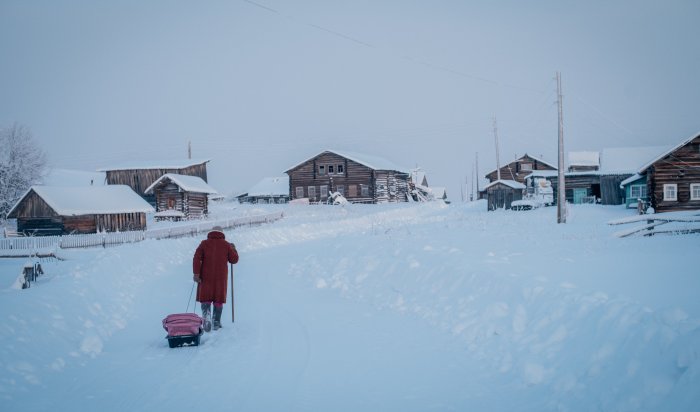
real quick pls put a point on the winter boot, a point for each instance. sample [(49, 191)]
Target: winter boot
[(206, 314), (217, 317)]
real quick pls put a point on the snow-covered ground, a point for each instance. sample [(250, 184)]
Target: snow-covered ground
[(409, 307)]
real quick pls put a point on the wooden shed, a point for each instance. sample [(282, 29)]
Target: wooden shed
[(140, 176), (180, 197), (268, 190), (673, 177), (359, 178), (501, 193), (54, 210)]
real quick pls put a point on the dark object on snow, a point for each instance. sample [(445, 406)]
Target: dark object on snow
[(184, 329)]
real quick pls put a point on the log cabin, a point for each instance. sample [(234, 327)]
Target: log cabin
[(55, 210), (180, 197), (359, 178), (140, 176), (673, 177), (519, 169)]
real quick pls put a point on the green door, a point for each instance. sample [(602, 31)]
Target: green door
[(579, 194)]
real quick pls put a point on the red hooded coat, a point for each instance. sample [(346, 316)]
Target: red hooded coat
[(211, 264)]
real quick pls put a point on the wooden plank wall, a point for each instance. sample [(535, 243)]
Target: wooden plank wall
[(513, 170), (140, 179), (681, 167), (383, 186)]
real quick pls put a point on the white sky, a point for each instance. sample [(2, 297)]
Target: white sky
[(260, 86)]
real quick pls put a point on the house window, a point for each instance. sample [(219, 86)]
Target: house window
[(526, 166), (330, 169), (322, 170), (638, 192), (695, 191), (324, 191), (340, 189), (340, 169), (671, 191), (312, 192), (352, 190), (300, 192), (364, 190)]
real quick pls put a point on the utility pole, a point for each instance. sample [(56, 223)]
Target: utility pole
[(561, 190), (476, 195), (498, 161), (189, 149)]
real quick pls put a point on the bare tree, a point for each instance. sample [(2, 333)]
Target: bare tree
[(22, 164)]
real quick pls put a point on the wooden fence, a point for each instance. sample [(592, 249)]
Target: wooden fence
[(658, 223), (29, 246)]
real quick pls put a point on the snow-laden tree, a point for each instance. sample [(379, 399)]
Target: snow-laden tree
[(22, 164)]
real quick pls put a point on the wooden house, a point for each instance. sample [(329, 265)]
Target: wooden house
[(55, 210), (268, 190), (359, 178), (180, 197), (501, 193), (520, 168), (673, 177), (140, 176)]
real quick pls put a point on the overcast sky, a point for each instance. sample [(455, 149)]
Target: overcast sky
[(259, 86)]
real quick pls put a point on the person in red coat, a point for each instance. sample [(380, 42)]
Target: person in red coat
[(210, 268)]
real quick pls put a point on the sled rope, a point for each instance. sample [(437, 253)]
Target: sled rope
[(190, 298)]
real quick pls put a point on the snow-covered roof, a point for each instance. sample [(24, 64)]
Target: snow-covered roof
[(623, 160), (187, 183), (373, 162), (418, 176), (90, 200), (68, 177), (667, 152), (510, 183), (539, 159), (543, 173), (271, 186), (630, 179), (584, 159), (160, 164)]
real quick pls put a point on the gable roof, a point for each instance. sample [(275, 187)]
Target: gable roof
[(160, 164), (667, 152), (187, 183), (540, 160), (89, 200), (510, 183), (271, 186), (373, 162)]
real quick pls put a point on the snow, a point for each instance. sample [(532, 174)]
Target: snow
[(86, 200), (585, 158), (271, 186), (187, 183), (510, 183), (406, 307)]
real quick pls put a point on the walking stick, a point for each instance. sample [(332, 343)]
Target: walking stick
[(233, 317)]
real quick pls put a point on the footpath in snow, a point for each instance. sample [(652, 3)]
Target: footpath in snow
[(398, 307)]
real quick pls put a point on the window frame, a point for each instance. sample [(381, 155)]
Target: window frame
[(297, 190), (321, 170), (694, 186), (667, 197), (311, 190), (642, 191), (340, 169), (526, 167)]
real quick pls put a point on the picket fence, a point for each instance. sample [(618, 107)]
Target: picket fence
[(27, 246)]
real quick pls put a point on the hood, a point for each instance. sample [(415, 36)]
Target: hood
[(215, 234)]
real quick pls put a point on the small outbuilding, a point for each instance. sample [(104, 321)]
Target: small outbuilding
[(501, 193), (268, 190), (180, 197), (55, 210)]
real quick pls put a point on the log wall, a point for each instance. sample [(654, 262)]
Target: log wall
[(681, 167)]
